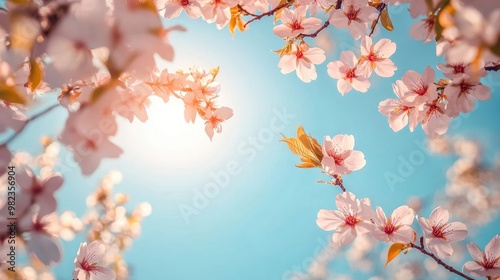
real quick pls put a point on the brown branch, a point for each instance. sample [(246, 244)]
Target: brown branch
[(266, 14), (34, 117), (339, 182), (492, 68), (380, 8), (313, 35), (422, 249)]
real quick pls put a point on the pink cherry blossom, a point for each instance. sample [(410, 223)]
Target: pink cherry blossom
[(355, 14), (418, 89), (462, 93), (302, 60), (86, 263), (348, 74), (215, 119), (439, 233), (459, 70), (399, 112), (423, 29), (418, 8), (487, 263), (434, 119), (87, 131), (376, 57), (191, 106), (395, 228), (42, 241), (218, 11), (173, 8), (40, 191), (339, 156), (352, 218), (295, 23), (10, 117), (136, 101), (164, 83)]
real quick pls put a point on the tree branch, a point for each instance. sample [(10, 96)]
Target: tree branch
[(380, 8), (492, 68), (34, 117), (266, 14), (422, 249), (313, 35)]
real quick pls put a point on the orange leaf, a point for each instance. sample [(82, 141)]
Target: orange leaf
[(11, 94), (306, 147), (236, 20), (394, 251), (36, 75), (310, 143), (385, 19)]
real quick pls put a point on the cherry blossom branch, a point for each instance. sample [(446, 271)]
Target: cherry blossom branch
[(339, 182), (313, 35), (496, 67), (269, 13), (34, 117), (380, 8), (338, 5), (422, 249)]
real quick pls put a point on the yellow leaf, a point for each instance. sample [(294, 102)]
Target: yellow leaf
[(23, 31), (306, 147), (11, 94), (236, 20), (305, 165), (36, 75), (311, 144), (277, 15), (214, 72), (20, 2), (148, 5), (394, 251), (386, 20), (287, 49)]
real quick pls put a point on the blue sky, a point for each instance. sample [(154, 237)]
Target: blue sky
[(263, 223)]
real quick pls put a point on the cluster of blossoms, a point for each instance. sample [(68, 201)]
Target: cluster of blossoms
[(100, 57), (466, 32), (421, 100), (355, 217), (41, 228), (472, 189)]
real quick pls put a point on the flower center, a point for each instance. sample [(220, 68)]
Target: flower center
[(439, 231), (389, 227), (352, 13), (184, 3), (91, 144), (373, 57), (419, 89), (299, 54), (351, 73), (351, 221), (459, 68), (295, 25)]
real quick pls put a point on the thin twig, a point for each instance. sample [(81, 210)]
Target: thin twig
[(380, 8), (313, 35), (422, 249), (492, 68), (339, 182), (266, 14), (34, 117)]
